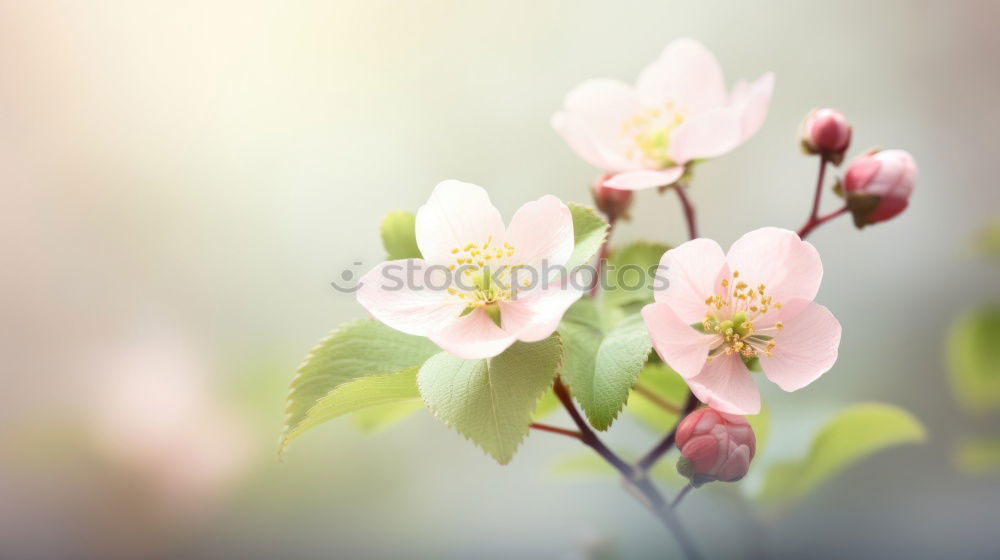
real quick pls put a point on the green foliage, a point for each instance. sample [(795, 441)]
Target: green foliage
[(379, 417), (358, 349), (667, 386), (974, 359), (855, 433), (589, 233), (978, 456), (629, 278), (491, 401), (546, 405), (399, 235), (358, 394), (602, 363)]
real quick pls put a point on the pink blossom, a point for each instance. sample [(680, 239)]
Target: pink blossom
[(827, 132), (720, 311), (716, 445), (878, 185), (475, 291), (679, 111)]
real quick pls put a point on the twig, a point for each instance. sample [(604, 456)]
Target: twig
[(657, 399), (668, 441), (556, 430), (680, 496), (688, 212)]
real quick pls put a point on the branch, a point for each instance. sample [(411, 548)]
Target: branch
[(668, 441), (688, 212), (657, 399), (815, 220), (556, 430)]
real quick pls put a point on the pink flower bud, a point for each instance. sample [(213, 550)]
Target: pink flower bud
[(714, 446), (878, 185), (613, 202), (826, 132)]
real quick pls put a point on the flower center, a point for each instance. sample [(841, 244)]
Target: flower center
[(486, 276), (732, 317), (649, 134)]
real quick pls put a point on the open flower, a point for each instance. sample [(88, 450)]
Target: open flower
[(720, 312), (479, 286), (678, 112)]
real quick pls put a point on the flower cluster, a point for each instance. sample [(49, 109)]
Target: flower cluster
[(481, 344)]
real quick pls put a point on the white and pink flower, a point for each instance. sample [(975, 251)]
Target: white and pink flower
[(468, 294), (678, 112), (720, 311)]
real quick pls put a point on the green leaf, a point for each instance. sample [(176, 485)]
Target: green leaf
[(358, 349), (379, 417), (547, 405), (399, 235), (601, 365), (667, 386), (491, 401), (358, 394), (978, 456), (589, 232), (854, 434), (974, 359), (631, 272)]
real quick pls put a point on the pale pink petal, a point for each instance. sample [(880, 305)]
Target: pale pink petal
[(592, 122), (706, 135), (541, 231), (413, 308), (725, 384), (687, 276), (473, 337), (682, 347), (788, 267), (456, 214), (534, 315), (686, 74), (751, 103), (586, 145), (805, 348), (645, 179)]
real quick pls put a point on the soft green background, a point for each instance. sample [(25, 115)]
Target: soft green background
[(206, 169)]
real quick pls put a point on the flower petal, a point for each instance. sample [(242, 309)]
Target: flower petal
[(789, 267), (535, 315), (706, 135), (645, 178), (690, 273), (541, 230), (592, 121), (805, 349), (751, 102), (473, 337), (416, 309), (687, 74), (725, 384), (456, 214), (682, 347)]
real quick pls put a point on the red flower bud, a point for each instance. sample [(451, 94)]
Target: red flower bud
[(714, 446), (613, 202), (878, 185), (826, 132)]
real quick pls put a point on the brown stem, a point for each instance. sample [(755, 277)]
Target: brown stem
[(635, 480), (667, 442), (815, 220), (556, 430), (688, 212), (680, 496), (656, 398)]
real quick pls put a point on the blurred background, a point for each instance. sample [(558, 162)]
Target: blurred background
[(182, 180)]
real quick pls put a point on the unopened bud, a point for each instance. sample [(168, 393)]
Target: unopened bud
[(714, 446), (878, 185), (826, 132), (613, 202)]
